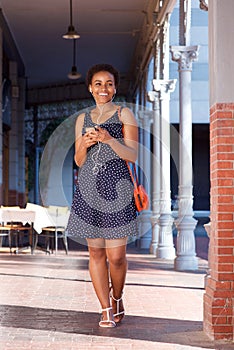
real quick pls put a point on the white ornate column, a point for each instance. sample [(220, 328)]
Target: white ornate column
[(165, 249), (145, 231), (154, 98), (186, 256)]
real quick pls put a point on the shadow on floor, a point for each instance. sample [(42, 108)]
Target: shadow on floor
[(152, 329)]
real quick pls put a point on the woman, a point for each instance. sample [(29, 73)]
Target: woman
[(103, 210)]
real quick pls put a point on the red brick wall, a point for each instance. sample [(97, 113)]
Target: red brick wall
[(219, 295)]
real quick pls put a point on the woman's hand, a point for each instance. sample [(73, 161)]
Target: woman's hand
[(95, 135), (90, 138), (103, 135)]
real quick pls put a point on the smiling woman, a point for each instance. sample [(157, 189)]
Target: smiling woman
[(102, 87), (103, 209)]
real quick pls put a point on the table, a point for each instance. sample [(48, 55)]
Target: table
[(11, 219), (47, 219)]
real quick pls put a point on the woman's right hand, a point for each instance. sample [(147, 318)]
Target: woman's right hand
[(89, 138)]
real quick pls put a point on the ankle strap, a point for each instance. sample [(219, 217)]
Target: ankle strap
[(117, 300), (107, 309)]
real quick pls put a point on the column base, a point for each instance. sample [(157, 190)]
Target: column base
[(183, 263), (155, 234), (165, 253), (145, 229), (186, 252), (166, 249), (153, 248)]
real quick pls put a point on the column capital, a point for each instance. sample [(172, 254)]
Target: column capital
[(164, 87), (185, 56), (153, 96)]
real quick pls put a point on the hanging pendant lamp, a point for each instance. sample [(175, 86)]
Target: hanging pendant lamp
[(71, 33), (74, 74)]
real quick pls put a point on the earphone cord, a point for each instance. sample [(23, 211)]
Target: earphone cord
[(95, 155), (97, 165)]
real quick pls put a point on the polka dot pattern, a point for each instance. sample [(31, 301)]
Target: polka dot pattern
[(103, 204)]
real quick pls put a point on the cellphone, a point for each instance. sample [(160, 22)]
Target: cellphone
[(89, 129)]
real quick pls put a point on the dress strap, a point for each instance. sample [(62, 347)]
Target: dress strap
[(87, 119), (119, 109)]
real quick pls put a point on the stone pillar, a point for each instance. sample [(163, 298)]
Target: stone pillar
[(154, 98), (186, 254), (14, 140), (165, 249), (145, 232), (19, 93), (219, 294)]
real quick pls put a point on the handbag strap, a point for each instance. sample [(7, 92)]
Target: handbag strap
[(133, 175)]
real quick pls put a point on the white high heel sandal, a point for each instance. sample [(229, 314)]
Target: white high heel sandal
[(118, 313), (108, 323)]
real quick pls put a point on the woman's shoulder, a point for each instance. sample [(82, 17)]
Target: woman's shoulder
[(127, 116), (80, 118)]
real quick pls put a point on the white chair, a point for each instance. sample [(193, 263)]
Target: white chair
[(59, 216), (5, 231), (50, 223)]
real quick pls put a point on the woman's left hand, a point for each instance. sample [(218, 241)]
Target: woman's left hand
[(103, 135)]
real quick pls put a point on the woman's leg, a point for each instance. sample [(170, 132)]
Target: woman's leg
[(116, 254), (98, 269)]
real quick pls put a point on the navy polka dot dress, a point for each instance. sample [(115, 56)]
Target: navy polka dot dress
[(103, 204)]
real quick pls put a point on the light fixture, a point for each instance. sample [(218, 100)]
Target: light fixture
[(74, 74), (71, 33)]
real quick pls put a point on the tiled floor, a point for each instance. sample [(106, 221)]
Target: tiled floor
[(48, 302)]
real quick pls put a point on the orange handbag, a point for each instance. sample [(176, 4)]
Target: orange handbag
[(140, 195)]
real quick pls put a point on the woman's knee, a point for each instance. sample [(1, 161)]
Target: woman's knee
[(117, 260), (97, 254)]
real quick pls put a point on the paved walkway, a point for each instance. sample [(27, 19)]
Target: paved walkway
[(48, 302)]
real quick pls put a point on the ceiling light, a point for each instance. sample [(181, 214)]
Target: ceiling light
[(74, 74), (71, 33)]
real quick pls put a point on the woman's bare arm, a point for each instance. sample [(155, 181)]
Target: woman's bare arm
[(129, 149), (82, 142)]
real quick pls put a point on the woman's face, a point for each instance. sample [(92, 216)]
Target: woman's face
[(102, 87)]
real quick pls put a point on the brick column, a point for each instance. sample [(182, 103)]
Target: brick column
[(219, 296)]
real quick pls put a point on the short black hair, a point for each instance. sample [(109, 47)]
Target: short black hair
[(102, 67)]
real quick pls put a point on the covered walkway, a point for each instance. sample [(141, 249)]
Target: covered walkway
[(48, 302)]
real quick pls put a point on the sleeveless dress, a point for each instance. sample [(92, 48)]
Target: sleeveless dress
[(103, 205)]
